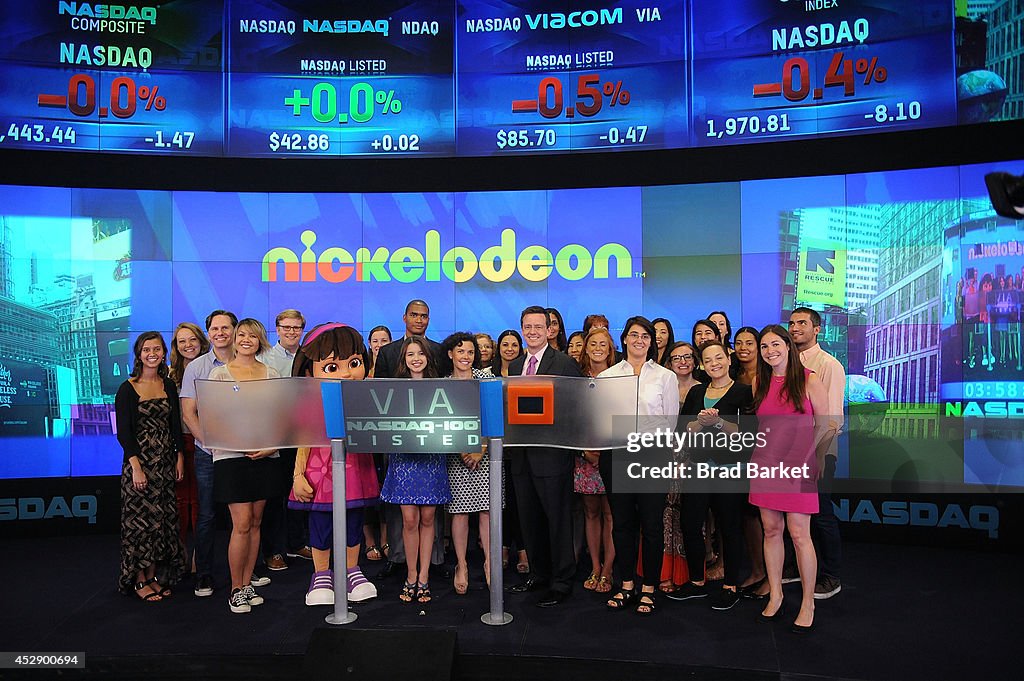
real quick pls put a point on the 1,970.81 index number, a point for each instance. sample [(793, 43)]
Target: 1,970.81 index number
[(743, 125)]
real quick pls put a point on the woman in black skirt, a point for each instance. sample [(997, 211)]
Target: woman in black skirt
[(245, 480), (149, 430)]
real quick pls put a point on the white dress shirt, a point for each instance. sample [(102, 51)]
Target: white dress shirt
[(658, 391)]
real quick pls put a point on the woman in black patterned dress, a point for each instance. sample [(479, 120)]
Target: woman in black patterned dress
[(149, 430)]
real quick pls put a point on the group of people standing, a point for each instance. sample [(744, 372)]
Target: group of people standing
[(710, 382)]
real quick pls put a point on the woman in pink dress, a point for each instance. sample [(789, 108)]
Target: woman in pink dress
[(790, 403)]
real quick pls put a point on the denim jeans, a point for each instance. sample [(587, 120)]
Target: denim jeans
[(205, 526), (825, 525)]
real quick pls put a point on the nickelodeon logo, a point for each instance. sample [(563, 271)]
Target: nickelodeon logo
[(460, 264)]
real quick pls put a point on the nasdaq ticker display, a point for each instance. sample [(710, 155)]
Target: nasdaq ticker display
[(250, 78)]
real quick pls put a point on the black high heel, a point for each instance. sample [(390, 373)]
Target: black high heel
[(750, 590), (768, 619)]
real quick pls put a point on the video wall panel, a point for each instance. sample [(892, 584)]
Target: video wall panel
[(918, 282), (401, 78)]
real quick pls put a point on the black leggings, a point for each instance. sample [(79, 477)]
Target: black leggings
[(728, 510)]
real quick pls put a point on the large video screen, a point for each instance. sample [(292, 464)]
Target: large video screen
[(258, 78), (917, 281)]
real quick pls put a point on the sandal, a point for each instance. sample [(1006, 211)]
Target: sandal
[(423, 593), (667, 587), (591, 583), (164, 591), (151, 597), (373, 553), (621, 600), (408, 593), (385, 548), (645, 605), (461, 586), (604, 585)]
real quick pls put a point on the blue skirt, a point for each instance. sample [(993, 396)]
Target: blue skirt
[(416, 479)]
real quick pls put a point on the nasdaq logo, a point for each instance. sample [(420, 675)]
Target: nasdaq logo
[(87, 9), (920, 514), (37, 508), (996, 409)]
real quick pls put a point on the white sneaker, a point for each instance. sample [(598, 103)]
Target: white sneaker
[(251, 595), (238, 602), (257, 580)]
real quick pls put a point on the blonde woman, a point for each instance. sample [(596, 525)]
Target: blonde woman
[(245, 480)]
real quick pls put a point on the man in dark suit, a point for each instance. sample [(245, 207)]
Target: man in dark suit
[(542, 478), (416, 318)]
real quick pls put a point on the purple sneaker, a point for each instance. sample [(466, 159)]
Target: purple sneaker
[(321, 589), (359, 587)]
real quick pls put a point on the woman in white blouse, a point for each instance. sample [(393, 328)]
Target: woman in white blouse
[(633, 512)]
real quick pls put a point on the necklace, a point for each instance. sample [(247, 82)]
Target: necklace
[(721, 387)]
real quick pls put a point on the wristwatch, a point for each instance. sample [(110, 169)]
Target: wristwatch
[(721, 422)]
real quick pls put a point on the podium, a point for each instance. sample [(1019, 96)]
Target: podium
[(419, 416)]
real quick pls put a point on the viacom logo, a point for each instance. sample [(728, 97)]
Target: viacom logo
[(460, 264)]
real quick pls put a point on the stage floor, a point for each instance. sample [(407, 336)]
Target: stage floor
[(904, 613)]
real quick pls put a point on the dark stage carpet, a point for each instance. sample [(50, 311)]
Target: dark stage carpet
[(904, 613)]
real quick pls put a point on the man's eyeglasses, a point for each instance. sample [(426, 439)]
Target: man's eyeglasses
[(290, 329)]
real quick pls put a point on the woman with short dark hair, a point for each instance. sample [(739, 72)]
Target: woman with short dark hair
[(715, 407), (633, 513), (468, 472)]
